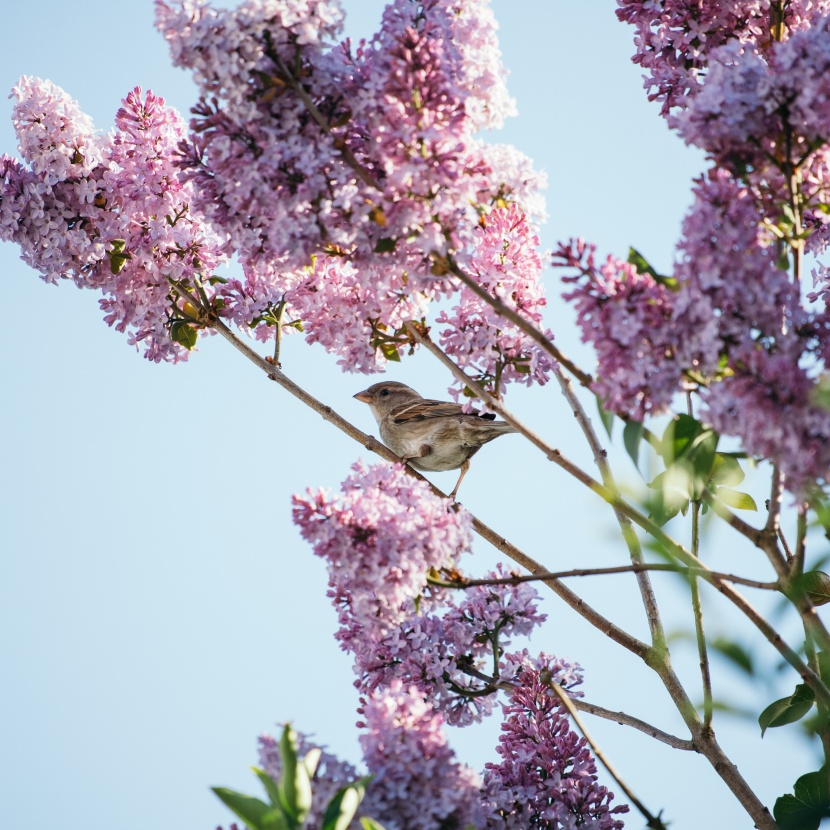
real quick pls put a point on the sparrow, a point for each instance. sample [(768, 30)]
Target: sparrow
[(430, 435)]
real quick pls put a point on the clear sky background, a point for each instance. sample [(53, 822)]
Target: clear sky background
[(158, 609)]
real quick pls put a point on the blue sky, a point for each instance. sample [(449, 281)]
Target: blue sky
[(157, 608)]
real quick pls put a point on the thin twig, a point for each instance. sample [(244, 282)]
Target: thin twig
[(625, 719), (697, 608), (652, 821), (700, 635), (800, 542), (615, 569)]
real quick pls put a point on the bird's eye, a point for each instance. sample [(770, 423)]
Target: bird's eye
[(384, 392)]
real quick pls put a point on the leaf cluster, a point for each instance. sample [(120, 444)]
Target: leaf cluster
[(290, 798)]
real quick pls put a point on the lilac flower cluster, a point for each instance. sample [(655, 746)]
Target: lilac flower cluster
[(624, 315), (752, 103), (504, 260), (732, 321), (675, 38), (547, 775), (343, 175), (380, 540), (731, 318), (109, 212), (424, 658), (405, 748)]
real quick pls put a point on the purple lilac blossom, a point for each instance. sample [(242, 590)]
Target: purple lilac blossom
[(626, 316), (418, 784), (675, 38), (547, 775), (347, 219), (380, 539), (86, 202), (505, 261)]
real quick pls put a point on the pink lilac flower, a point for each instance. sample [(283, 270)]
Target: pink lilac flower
[(449, 653), (728, 275), (344, 221), (547, 775), (758, 105), (674, 38), (107, 213), (379, 539), (406, 750), (769, 401), (627, 317), (505, 262)]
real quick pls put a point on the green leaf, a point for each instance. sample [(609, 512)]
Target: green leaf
[(270, 785), (732, 498), (632, 436), (370, 824), (341, 809), (294, 789), (642, 266), (823, 658), (674, 488), (385, 245), (183, 333), (816, 584), (808, 806), (683, 436), (251, 810), (734, 652), (389, 351), (606, 417), (726, 470), (787, 709)]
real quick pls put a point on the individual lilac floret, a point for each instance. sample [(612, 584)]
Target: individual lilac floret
[(406, 750), (547, 775)]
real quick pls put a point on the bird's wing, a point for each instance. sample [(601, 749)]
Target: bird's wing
[(424, 409)]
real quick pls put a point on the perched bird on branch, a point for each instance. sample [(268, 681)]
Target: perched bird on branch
[(430, 435)]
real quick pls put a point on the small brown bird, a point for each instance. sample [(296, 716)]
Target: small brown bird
[(429, 435)]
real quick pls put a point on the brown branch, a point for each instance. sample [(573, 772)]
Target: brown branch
[(635, 723), (658, 636)]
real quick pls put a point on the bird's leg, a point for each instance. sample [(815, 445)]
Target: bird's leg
[(464, 467)]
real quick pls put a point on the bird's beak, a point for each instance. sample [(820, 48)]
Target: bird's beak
[(364, 397)]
